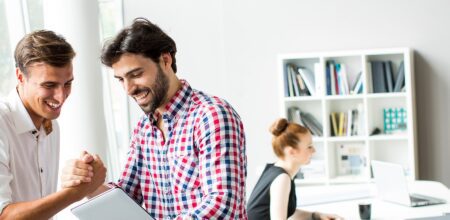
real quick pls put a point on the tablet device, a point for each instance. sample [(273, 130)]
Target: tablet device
[(113, 204)]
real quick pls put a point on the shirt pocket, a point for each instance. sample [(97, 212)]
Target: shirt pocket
[(185, 173)]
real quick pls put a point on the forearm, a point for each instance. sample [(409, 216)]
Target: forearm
[(43, 208)]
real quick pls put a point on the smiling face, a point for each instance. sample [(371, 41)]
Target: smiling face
[(44, 89), (143, 80)]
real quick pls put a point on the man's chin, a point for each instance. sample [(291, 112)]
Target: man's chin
[(51, 116), (147, 109)]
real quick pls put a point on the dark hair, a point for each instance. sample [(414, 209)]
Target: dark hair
[(142, 37), (43, 46), (285, 134)]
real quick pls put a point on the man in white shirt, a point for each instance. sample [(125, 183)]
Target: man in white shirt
[(29, 135)]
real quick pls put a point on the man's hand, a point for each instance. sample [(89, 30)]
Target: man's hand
[(77, 171), (84, 175)]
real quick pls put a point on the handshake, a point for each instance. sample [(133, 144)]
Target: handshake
[(83, 176)]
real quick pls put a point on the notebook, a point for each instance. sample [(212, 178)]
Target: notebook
[(113, 204), (392, 186)]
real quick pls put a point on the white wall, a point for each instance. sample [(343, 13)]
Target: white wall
[(229, 49)]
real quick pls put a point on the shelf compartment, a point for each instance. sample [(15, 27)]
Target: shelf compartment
[(394, 59), (348, 160), (389, 151), (375, 110), (348, 117), (295, 111), (341, 73)]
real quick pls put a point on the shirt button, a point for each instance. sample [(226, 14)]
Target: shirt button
[(42, 170)]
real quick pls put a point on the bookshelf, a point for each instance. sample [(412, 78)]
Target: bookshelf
[(360, 89)]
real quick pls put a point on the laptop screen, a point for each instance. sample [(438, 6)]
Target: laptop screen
[(391, 182)]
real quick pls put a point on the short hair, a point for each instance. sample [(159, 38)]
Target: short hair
[(43, 46), (143, 38), (285, 134)]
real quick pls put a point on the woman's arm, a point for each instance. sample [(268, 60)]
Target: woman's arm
[(279, 196)]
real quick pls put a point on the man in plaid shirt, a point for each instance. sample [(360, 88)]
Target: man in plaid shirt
[(187, 155)]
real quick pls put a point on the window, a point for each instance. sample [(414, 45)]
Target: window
[(35, 14), (7, 81), (116, 101)]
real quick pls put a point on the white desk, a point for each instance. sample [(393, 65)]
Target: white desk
[(386, 210)]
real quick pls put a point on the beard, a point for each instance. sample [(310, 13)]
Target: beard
[(159, 91)]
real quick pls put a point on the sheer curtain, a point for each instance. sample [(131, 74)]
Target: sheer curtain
[(7, 81), (115, 99)]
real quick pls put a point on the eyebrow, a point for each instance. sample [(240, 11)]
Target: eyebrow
[(129, 72), (54, 82), (70, 80)]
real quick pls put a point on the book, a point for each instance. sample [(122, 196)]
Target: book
[(335, 79), (328, 80), (319, 76), (314, 126), (308, 78), (334, 123), (343, 80), (290, 84), (355, 121), (389, 76), (294, 115), (295, 83), (303, 90), (351, 159), (369, 77), (341, 124), (286, 82), (339, 82), (357, 85), (400, 81), (349, 122), (378, 77), (331, 68)]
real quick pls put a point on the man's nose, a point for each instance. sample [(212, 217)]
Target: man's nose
[(60, 94), (128, 85)]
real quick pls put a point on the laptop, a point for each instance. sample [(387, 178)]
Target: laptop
[(113, 204), (392, 186)]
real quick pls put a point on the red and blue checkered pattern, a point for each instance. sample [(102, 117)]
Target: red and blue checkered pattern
[(200, 170)]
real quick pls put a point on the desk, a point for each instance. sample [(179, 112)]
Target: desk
[(386, 210)]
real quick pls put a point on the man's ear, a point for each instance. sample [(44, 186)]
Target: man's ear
[(19, 75), (166, 60)]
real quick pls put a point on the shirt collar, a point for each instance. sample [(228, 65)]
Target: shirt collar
[(177, 104), (21, 118)]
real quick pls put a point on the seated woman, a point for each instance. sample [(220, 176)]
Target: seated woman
[(274, 195)]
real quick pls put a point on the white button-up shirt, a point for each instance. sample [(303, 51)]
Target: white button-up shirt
[(28, 158)]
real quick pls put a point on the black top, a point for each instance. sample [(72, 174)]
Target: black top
[(258, 207)]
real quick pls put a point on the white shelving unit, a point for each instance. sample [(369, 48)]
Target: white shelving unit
[(398, 148)]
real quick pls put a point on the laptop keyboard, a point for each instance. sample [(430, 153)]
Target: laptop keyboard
[(420, 200), (416, 199)]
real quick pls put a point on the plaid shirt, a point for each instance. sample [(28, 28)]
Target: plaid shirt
[(200, 170)]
